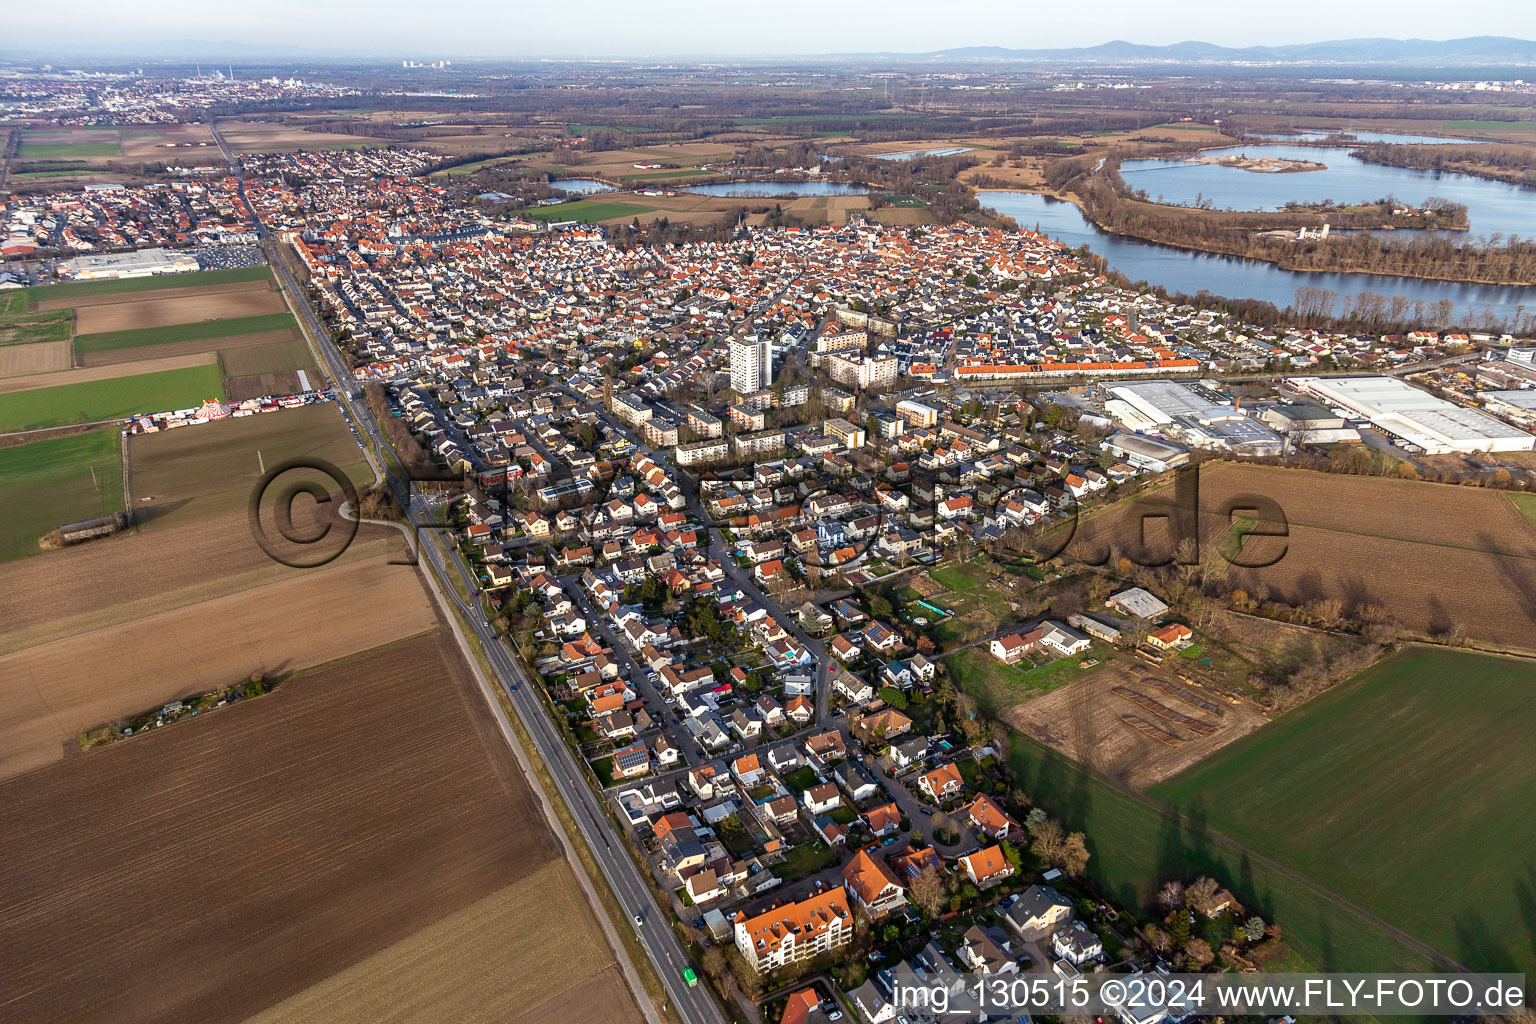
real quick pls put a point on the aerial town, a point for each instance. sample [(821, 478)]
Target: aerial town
[(859, 601)]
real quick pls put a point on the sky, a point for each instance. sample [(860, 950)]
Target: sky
[(592, 28)]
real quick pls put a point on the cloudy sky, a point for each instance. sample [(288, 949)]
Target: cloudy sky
[(517, 28)]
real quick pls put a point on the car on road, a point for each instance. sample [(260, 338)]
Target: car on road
[(639, 919)]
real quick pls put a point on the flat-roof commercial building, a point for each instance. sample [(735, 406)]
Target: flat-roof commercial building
[(1414, 416), (1191, 415), (143, 263)]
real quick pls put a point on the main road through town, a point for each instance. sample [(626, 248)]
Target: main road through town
[(621, 873)]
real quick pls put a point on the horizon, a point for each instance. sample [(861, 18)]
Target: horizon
[(482, 30)]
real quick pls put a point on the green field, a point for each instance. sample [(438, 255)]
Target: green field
[(1410, 791), (48, 483), (109, 340), (1526, 503), (115, 398), (587, 210), (71, 289), (22, 328), (1489, 126), (66, 150), (1135, 843)]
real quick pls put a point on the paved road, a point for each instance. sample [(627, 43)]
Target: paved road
[(693, 1005)]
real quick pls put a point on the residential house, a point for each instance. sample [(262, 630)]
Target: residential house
[(987, 866), (1172, 637), (873, 885), (821, 799), (984, 951), (989, 819), (858, 783), (1076, 943), (909, 752), (941, 783), (1038, 912), (883, 820)]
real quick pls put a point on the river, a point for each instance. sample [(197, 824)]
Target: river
[(1183, 270)]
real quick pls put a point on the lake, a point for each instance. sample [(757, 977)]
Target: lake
[(774, 189), (913, 154), (1398, 140), (582, 186), (1492, 206), (1184, 270)]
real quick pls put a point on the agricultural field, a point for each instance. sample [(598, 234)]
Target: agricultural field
[(140, 312), (70, 293), (51, 692), (117, 397), (1410, 790), (98, 144), (235, 319), (68, 144), (149, 573), (202, 330), (425, 870), (1437, 557), (589, 210), (47, 483), (1136, 843), (195, 473), (23, 328), (38, 357), (254, 136)]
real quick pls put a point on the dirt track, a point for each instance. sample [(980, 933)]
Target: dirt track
[(215, 868)]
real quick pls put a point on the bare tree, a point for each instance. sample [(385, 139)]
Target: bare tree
[(1171, 895), (1201, 896), (927, 892)]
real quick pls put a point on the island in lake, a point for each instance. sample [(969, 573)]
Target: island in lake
[(1260, 164)]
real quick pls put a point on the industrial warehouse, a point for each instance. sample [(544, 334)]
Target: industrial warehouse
[(1415, 417)]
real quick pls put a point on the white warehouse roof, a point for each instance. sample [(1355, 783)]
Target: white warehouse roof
[(1401, 410)]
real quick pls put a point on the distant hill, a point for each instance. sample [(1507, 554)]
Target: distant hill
[(1472, 51)]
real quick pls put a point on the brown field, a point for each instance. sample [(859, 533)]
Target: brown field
[(1435, 556), (254, 136), (122, 298), (52, 692), (902, 216), (259, 384), (173, 349), (194, 473), (827, 209), (427, 977), (149, 573), (163, 312), (270, 356), (149, 144), (1083, 720), (38, 357), (124, 369), (365, 822)]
